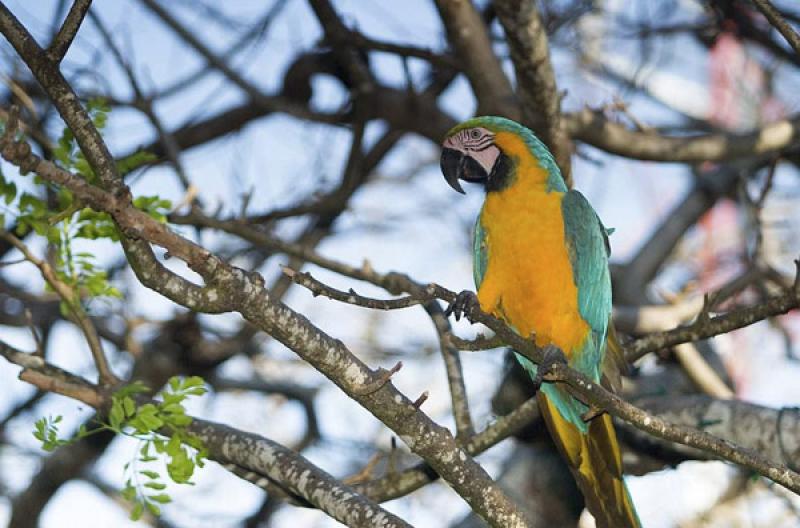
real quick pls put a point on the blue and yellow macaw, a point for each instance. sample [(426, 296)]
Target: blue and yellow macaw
[(541, 265)]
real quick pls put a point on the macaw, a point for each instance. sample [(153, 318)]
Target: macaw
[(541, 265)]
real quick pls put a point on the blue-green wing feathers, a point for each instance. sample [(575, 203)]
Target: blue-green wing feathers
[(587, 244), (480, 253)]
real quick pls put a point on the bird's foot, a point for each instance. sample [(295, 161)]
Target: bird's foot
[(463, 305), (551, 356)]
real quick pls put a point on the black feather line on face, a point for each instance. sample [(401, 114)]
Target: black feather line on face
[(500, 176)]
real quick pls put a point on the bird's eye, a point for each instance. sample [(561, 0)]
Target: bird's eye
[(475, 134)]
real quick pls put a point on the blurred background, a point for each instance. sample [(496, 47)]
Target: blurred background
[(251, 116)]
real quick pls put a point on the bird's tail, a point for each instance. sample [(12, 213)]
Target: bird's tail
[(595, 460)]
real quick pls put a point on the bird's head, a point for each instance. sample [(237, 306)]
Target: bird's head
[(487, 149)]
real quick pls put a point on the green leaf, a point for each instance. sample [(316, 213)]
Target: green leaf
[(149, 474), (128, 492), (161, 498), (129, 406), (134, 161), (180, 420), (136, 513), (155, 485), (117, 414)]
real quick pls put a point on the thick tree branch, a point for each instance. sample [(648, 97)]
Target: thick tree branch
[(595, 129), (775, 433), (596, 396), (228, 445), (536, 81), (469, 38), (232, 289)]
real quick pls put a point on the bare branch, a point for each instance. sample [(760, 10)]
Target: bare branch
[(721, 324), (72, 299), (455, 374), (775, 18), (232, 289), (536, 81), (469, 37), (595, 129), (228, 445), (63, 39), (317, 287)]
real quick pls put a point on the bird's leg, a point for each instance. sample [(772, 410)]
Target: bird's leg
[(551, 356), (463, 305)]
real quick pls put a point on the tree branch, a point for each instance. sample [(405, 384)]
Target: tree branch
[(595, 129), (536, 81), (228, 445), (703, 328), (469, 38), (232, 289), (72, 299), (775, 18), (595, 395), (66, 34)]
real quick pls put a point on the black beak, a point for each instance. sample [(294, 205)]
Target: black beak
[(456, 166)]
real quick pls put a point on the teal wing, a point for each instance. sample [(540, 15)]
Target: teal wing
[(587, 244), (480, 253)]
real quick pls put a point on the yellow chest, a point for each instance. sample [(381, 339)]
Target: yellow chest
[(528, 280)]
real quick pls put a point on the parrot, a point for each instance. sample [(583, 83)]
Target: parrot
[(540, 263)]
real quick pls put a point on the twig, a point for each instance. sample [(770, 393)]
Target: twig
[(69, 296), (422, 399), (63, 39), (35, 333), (455, 374), (382, 378), (316, 288), (775, 305), (775, 18), (440, 59)]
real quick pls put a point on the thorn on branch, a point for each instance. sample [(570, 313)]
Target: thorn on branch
[(419, 401), (703, 317), (383, 378)]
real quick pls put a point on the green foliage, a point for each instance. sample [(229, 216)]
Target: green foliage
[(134, 161), (153, 206), (46, 431), (62, 219), (160, 426)]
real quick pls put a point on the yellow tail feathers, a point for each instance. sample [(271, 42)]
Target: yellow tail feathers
[(596, 463)]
